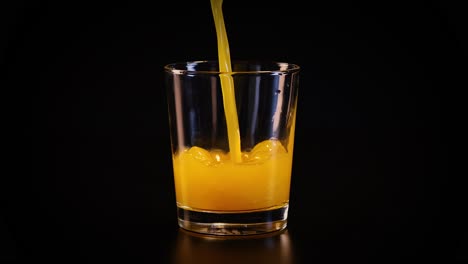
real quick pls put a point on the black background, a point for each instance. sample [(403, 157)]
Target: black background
[(371, 178)]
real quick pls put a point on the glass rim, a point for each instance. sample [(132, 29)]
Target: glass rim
[(176, 69)]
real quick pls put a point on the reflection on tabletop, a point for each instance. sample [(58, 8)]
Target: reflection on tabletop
[(273, 247)]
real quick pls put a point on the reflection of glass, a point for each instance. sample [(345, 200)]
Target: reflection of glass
[(274, 247), (217, 190)]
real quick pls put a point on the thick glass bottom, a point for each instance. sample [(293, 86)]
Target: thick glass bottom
[(233, 223)]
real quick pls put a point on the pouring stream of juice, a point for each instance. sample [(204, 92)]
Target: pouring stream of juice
[(210, 180), (227, 83)]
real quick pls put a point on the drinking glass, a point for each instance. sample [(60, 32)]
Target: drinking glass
[(232, 151)]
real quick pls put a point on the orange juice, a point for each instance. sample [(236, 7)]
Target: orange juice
[(227, 83), (211, 180)]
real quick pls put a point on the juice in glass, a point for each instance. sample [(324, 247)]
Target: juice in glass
[(232, 134)]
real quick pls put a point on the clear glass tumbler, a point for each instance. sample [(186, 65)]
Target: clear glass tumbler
[(232, 145)]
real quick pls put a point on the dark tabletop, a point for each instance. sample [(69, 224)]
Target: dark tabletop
[(371, 179)]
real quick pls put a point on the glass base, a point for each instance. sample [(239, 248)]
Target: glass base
[(233, 223)]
